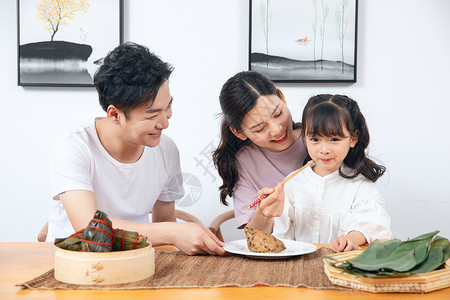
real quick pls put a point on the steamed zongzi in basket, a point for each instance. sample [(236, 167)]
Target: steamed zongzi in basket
[(99, 236)]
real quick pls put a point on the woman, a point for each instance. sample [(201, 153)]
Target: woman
[(260, 145)]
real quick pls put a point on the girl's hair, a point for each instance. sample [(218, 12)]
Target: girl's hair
[(326, 115), (237, 97)]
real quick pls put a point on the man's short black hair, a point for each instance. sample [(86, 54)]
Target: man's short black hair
[(130, 77)]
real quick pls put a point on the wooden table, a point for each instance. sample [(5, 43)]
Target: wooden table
[(20, 262)]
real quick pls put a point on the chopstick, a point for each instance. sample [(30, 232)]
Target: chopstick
[(282, 182)]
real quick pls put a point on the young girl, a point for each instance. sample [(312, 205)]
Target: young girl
[(336, 200), (260, 145)]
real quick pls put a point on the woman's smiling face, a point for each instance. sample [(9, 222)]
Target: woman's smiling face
[(268, 124)]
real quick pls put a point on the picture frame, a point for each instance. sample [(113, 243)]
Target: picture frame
[(304, 40), (65, 49)]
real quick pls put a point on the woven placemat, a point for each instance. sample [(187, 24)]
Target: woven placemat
[(177, 270)]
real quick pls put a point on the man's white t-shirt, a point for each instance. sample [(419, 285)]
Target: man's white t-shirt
[(123, 191)]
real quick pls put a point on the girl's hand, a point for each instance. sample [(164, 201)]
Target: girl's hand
[(273, 204), (268, 208), (349, 242)]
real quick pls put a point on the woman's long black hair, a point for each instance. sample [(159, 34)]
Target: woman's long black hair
[(237, 97), (325, 115)]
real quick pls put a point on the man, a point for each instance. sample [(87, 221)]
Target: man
[(122, 164)]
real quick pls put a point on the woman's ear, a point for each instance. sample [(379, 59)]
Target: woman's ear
[(281, 96), (238, 134)]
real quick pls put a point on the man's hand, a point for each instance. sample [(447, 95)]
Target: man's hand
[(192, 238)]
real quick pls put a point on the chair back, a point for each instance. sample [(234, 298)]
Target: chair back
[(218, 221)]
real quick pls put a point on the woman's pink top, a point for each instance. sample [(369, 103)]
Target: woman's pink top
[(259, 168)]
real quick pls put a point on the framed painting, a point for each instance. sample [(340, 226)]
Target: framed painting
[(304, 40), (63, 42)]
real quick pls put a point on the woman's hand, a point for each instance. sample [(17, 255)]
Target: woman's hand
[(193, 239)]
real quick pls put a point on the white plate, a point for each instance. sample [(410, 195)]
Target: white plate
[(293, 248)]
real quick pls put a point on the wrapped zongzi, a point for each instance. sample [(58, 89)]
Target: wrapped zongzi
[(101, 237), (72, 242), (98, 235), (128, 240)]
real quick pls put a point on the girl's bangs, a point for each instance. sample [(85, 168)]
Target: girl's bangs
[(325, 120)]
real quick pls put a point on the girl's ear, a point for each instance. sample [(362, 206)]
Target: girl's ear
[(354, 139), (238, 134), (113, 114), (281, 95)]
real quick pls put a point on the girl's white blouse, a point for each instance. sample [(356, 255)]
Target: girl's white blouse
[(319, 209)]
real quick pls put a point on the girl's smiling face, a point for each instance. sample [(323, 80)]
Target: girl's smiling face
[(268, 124), (329, 152)]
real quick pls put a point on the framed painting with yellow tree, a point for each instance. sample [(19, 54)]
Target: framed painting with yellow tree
[(63, 42)]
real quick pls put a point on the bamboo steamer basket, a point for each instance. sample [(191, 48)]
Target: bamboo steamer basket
[(416, 283), (102, 268)]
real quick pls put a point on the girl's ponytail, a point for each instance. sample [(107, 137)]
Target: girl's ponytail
[(357, 156)]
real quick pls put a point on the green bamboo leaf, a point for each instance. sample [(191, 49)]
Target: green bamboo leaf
[(439, 253), (70, 243), (128, 240), (404, 257), (378, 249), (421, 254), (380, 274), (446, 249), (422, 249), (398, 261), (425, 236), (337, 263)]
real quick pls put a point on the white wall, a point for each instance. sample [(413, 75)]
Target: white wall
[(403, 89)]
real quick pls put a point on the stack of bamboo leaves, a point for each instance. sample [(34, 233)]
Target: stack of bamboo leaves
[(421, 254)]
